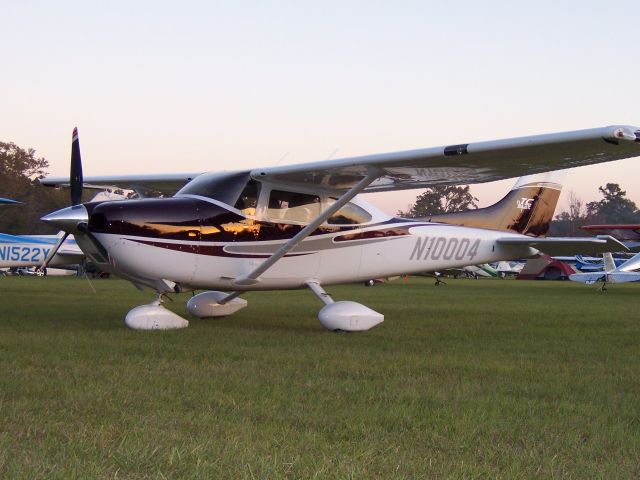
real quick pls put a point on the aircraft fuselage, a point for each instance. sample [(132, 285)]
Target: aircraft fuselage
[(200, 245)]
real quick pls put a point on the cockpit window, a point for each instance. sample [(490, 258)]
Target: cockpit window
[(350, 214), (297, 207), (225, 187), (248, 200)]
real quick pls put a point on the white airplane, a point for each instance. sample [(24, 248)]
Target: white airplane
[(32, 250), (627, 272), (302, 225)]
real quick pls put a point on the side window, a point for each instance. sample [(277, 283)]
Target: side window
[(296, 207), (350, 214), (248, 199)]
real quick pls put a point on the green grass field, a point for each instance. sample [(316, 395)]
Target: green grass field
[(475, 379)]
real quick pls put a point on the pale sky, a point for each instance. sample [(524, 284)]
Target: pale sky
[(190, 86)]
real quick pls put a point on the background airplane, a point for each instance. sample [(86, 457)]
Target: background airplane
[(302, 226), (628, 234), (627, 272), (32, 250)]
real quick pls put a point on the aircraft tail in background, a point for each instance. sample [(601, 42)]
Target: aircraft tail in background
[(609, 264), (527, 209), (622, 274)]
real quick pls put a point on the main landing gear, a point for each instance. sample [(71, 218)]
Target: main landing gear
[(344, 316), (154, 316), (337, 316)]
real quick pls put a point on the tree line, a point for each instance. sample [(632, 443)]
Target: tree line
[(20, 170), (613, 208)]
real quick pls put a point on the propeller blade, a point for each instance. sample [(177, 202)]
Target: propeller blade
[(75, 179), (53, 252)]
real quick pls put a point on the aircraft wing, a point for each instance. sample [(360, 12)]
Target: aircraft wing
[(165, 183), (466, 163), (556, 246)]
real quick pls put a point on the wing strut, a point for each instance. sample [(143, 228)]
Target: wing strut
[(252, 278)]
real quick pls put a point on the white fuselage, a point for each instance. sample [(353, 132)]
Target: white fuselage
[(32, 250), (328, 259)]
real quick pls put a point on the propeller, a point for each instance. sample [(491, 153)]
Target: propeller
[(75, 184), (75, 175)]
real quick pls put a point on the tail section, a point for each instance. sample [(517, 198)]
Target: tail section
[(609, 264), (528, 208)]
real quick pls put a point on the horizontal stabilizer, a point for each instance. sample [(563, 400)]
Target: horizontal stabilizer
[(616, 277), (588, 278), (555, 246), (622, 277)]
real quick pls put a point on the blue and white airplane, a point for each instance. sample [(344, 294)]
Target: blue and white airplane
[(32, 250), (627, 272)]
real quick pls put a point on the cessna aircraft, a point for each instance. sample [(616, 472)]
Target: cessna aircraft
[(32, 250), (627, 272), (302, 225)]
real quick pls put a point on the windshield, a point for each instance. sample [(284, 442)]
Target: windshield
[(228, 188)]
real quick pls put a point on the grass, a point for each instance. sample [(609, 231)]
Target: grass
[(475, 379)]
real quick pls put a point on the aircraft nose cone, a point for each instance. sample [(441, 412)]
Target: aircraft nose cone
[(67, 219)]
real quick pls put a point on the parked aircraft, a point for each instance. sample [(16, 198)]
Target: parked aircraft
[(32, 250), (628, 234), (505, 268), (593, 264), (303, 226), (627, 272)]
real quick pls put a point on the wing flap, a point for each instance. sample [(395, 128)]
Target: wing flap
[(556, 246)]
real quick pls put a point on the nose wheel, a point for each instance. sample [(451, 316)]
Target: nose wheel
[(154, 316)]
